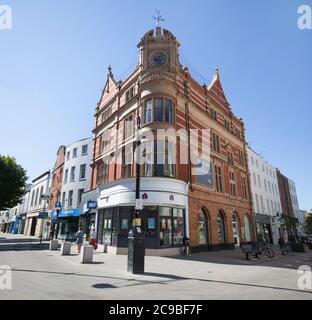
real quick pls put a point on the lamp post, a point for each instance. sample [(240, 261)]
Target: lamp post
[(136, 249)]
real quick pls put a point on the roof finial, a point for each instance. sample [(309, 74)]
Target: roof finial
[(158, 18), (109, 69)]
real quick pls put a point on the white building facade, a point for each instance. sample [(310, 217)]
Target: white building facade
[(35, 224), (265, 198), (295, 205), (76, 181)]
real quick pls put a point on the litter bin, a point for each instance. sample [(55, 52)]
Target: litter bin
[(136, 251)]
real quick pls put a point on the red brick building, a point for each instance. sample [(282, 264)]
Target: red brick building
[(56, 182), (213, 208)]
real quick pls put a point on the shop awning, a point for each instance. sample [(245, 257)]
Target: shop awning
[(69, 213)]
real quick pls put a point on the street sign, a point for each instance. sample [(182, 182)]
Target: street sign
[(58, 205), (138, 204)]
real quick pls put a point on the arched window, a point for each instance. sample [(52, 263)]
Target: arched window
[(247, 228), (221, 227), (202, 227)]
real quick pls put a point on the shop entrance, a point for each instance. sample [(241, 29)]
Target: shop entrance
[(33, 226)]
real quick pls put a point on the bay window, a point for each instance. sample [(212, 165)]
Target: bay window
[(158, 110)]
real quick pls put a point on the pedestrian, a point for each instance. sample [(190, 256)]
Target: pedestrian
[(92, 238), (282, 244), (186, 244), (79, 239)]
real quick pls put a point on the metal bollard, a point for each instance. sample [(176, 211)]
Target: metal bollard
[(65, 248), (86, 255), (53, 244)]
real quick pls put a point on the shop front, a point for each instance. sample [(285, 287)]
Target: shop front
[(163, 217), (68, 224), (89, 210), (263, 228)]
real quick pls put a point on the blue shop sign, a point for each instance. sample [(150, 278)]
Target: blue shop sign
[(58, 205), (91, 204), (69, 213)]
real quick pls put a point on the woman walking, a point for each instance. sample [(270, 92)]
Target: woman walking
[(79, 239)]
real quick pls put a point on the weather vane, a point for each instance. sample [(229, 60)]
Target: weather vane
[(158, 18)]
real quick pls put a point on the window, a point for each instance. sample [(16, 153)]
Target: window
[(75, 153), (84, 150), (129, 94), (268, 206), (252, 160), (105, 141), (238, 133), (247, 228), (263, 167), (127, 161), (230, 158), (106, 114), (72, 174), (232, 184), (68, 155), (265, 185), (241, 158), (269, 186), (244, 187), (272, 207), (65, 176), (70, 198), (227, 124), (202, 228), (63, 199), (254, 179), (128, 127), (257, 163), (214, 114), (218, 177), (102, 173), (82, 174), (32, 198), (262, 204), (221, 228), (40, 195), (215, 142), (259, 181), (80, 192), (257, 204), (160, 159), (36, 199), (158, 110)]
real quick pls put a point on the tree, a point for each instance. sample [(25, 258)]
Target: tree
[(12, 182), (308, 224)]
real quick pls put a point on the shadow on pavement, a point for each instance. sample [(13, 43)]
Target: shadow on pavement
[(171, 278), (24, 247)]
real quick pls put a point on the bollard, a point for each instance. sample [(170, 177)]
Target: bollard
[(65, 248), (105, 248), (53, 244), (86, 255)]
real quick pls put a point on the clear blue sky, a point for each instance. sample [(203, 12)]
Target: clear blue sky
[(53, 66)]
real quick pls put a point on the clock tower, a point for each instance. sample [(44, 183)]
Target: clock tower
[(158, 51)]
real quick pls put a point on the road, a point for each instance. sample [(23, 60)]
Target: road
[(38, 273)]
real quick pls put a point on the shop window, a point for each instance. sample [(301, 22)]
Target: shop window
[(202, 228), (221, 228), (165, 228), (177, 226)]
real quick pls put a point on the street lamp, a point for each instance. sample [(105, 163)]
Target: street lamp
[(136, 249)]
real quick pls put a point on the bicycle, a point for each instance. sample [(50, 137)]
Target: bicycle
[(266, 249)]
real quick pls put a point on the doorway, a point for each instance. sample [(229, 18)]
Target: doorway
[(235, 231), (33, 226)]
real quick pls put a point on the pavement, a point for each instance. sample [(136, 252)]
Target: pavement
[(38, 273)]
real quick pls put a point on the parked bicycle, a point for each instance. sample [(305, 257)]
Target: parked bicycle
[(266, 249)]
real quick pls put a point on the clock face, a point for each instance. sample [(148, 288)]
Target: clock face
[(159, 59)]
